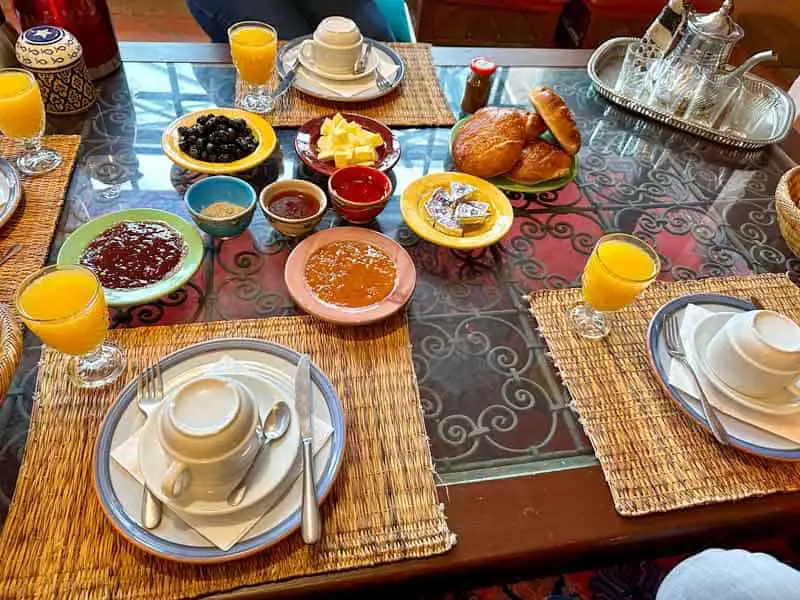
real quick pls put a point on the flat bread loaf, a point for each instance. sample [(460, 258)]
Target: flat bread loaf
[(491, 142)]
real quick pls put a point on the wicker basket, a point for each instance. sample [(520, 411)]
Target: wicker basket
[(10, 349), (787, 195)]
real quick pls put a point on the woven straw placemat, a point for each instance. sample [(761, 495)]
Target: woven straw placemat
[(383, 506), (653, 457), (35, 219), (417, 101)]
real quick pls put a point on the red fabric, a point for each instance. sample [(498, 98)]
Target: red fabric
[(550, 6), (636, 8)]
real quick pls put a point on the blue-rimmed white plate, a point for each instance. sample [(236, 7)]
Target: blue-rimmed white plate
[(120, 494), (308, 83), (742, 435)]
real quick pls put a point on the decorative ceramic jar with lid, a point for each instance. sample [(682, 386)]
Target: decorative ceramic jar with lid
[(55, 58)]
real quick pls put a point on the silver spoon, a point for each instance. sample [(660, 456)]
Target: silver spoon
[(274, 427)]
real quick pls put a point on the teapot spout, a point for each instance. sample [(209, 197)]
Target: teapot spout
[(757, 58)]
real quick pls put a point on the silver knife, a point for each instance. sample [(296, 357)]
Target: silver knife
[(311, 525), (287, 80)]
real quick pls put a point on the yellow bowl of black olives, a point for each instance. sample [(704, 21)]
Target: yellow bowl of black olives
[(219, 141)]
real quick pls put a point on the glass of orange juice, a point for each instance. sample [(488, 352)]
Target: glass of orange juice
[(253, 49), (620, 267), (22, 118), (64, 305)]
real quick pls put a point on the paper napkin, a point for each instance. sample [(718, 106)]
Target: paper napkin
[(785, 426), (349, 89), (226, 530)]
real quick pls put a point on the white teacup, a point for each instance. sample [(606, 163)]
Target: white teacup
[(335, 47), (757, 353), (208, 427)]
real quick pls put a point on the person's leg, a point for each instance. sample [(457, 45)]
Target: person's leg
[(215, 16), (730, 575), (364, 12)]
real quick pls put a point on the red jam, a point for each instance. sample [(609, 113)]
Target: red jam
[(361, 184), (294, 204), (133, 254)]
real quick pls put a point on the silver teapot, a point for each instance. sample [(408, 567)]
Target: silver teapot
[(696, 70)]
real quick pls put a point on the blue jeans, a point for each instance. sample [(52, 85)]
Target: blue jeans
[(292, 18), (730, 575)]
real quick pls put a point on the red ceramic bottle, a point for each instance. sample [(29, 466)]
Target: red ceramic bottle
[(87, 20)]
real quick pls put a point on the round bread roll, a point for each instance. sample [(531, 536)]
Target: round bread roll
[(534, 127), (540, 161), (558, 118), (490, 142)]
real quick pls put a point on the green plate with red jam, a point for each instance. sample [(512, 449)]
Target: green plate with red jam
[(190, 257)]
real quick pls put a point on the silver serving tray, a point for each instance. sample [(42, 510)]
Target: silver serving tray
[(10, 191), (604, 67)]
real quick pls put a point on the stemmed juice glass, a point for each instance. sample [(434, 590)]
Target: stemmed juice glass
[(620, 267), (64, 305), (22, 118), (253, 49)]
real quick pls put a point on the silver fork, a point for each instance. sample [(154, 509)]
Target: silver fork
[(675, 349), (381, 81), (149, 394)]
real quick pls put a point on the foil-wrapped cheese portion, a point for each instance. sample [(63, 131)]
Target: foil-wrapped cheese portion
[(450, 211)]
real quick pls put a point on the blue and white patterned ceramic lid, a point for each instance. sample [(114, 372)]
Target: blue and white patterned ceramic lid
[(46, 47)]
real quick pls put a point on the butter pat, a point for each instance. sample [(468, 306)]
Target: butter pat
[(364, 154), (343, 157)]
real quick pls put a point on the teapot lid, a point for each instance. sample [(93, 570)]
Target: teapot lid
[(718, 24), (45, 47)]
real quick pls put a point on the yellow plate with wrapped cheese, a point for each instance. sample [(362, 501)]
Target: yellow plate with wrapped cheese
[(501, 213)]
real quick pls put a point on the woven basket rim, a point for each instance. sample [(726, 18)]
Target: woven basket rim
[(783, 196), (10, 348)]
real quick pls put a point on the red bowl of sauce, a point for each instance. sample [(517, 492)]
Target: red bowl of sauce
[(293, 206), (359, 194)]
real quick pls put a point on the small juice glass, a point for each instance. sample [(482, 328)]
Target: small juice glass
[(254, 46), (64, 305), (620, 267), (22, 118)]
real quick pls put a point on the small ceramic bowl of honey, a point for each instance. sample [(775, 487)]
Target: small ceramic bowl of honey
[(359, 194), (221, 205), (293, 206)]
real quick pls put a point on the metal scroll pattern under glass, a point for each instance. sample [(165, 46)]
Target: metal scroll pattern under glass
[(492, 401)]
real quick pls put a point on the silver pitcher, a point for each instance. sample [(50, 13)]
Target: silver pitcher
[(697, 67)]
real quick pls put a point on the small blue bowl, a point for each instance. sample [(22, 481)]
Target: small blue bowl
[(221, 188)]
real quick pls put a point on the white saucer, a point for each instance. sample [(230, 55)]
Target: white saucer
[(271, 468), (789, 402), (308, 63)]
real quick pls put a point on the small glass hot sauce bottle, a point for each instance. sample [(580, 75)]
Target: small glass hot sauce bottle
[(479, 84)]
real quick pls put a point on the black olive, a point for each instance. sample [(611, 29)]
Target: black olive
[(213, 157)]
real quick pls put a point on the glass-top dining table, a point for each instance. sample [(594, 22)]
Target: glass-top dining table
[(517, 475)]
